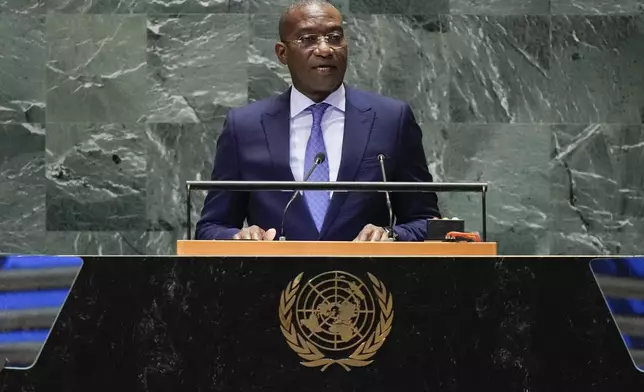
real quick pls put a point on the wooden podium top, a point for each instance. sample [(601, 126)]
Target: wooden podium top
[(332, 248)]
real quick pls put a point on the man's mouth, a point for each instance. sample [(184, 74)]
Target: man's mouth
[(324, 68)]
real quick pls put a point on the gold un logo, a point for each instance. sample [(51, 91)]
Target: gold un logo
[(333, 319)]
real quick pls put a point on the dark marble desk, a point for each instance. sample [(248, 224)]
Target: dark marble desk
[(208, 324)]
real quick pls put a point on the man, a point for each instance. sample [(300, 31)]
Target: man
[(277, 139)]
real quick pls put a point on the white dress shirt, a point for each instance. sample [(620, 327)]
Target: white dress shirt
[(332, 131)]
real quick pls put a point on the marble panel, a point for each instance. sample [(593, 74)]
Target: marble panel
[(24, 7), (268, 6), (499, 68), (597, 69), (401, 57), (596, 7), (71, 6), (514, 160), (342, 5), (22, 174), (22, 62), (96, 177), (23, 242), (407, 7), (96, 68), (178, 153), (194, 6), (197, 66), (163, 243), (266, 75), (278, 6), (22, 188), (597, 189), (499, 7), (96, 243), (93, 6), (123, 6)]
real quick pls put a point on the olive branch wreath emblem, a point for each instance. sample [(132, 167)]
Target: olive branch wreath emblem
[(311, 355)]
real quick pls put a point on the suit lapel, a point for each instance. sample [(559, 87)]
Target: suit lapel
[(276, 124), (358, 122)]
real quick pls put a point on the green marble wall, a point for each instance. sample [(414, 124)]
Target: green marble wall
[(108, 107)]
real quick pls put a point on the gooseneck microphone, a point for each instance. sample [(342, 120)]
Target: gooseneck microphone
[(319, 158), (390, 229)]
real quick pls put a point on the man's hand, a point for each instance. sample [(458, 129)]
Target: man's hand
[(255, 233), (372, 233)]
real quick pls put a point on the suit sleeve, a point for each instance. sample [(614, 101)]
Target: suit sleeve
[(412, 209), (223, 212)]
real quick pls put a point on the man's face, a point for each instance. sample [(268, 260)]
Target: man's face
[(317, 65)]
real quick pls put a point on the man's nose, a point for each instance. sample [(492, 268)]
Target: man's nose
[(323, 49)]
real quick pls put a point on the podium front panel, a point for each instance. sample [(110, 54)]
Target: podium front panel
[(332, 324)]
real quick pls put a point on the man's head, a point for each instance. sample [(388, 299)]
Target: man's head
[(313, 45)]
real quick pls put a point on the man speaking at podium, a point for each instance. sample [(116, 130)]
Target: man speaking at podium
[(318, 130)]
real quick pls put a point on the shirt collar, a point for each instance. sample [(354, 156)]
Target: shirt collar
[(299, 101)]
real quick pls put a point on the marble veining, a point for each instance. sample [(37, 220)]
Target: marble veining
[(197, 66), (264, 7), (597, 69), (20, 6), (267, 6), (122, 6), (499, 69), (177, 153), (406, 61), (22, 187), (518, 207), (22, 168), (95, 68), (163, 242), (96, 177), (195, 6), (499, 7), (407, 7), (22, 58), (266, 75), (91, 6), (23, 241), (96, 243), (597, 189), (596, 7)]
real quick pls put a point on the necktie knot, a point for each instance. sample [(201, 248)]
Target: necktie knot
[(317, 110)]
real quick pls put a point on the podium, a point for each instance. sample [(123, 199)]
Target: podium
[(333, 248), (416, 315)]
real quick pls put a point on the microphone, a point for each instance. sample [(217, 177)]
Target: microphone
[(319, 158), (390, 229)]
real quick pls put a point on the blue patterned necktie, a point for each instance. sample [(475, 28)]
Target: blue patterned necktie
[(317, 201)]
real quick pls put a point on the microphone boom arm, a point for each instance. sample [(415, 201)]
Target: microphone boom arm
[(319, 158), (390, 230)]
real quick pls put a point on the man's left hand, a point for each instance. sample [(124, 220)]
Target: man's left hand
[(372, 233)]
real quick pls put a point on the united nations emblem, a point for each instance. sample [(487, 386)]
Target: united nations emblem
[(335, 314)]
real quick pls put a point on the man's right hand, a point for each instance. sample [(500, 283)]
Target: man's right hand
[(255, 233)]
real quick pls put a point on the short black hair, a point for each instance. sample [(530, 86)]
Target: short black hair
[(298, 4)]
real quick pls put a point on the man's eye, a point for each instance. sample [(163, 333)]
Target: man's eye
[(309, 38), (335, 37)]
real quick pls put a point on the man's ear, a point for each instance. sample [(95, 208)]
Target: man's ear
[(280, 51)]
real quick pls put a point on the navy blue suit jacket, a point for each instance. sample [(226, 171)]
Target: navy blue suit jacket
[(254, 146)]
